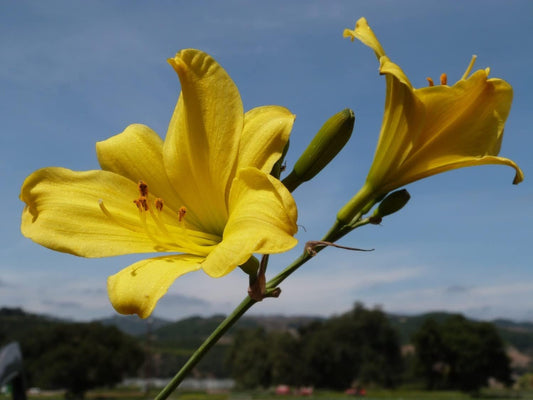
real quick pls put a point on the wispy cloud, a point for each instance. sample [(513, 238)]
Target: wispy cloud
[(485, 302), (456, 289), (70, 305)]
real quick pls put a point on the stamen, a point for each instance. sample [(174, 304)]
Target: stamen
[(141, 203), (430, 81), (181, 213), (143, 189), (469, 68), (184, 237), (142, 217), (443, 79), (159, 224), (159, 204), (181, 241)]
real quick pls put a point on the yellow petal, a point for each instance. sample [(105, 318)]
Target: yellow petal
[(262, 220), (463, 125), (364, 33), (402, 121), (137, 288), (466, 118), (202, 143), (137, 154), (62, 213), (447, 163), (265, 134)]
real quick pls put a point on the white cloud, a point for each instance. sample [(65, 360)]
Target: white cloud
[(506, 300)]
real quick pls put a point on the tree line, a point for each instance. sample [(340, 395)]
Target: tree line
[(362, 348), (72, 356)]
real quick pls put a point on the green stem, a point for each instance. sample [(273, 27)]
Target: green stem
[(337, 231), (359, 204), (292, 181), (230, 320)]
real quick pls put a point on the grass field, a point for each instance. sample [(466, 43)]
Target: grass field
[(319, 395), (267, 395), (372, 395)]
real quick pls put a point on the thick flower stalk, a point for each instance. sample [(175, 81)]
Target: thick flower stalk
[(433, 129), (204, 194)]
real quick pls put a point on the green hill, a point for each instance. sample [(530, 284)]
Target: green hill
[(16, 323), (171, 343)]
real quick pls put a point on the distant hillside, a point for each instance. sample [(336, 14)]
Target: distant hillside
[(194, 328), (133, 325), (15, 323), (175, 341), (516, 334)]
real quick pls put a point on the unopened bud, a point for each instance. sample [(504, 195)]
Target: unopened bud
[(326, 144), (251, 266), (390, 204)]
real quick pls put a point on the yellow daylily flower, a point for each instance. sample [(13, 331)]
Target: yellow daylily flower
[(205, 192), (433, 129)]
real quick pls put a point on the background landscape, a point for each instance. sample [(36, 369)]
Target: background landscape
[(259, 351)]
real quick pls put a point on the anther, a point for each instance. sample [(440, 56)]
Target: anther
[(443, 79), (143, 189), (181, 213), (141, 203), (158, 204), (430, 81)]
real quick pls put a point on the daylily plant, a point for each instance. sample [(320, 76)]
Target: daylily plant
[(205, 194), (433, 129)]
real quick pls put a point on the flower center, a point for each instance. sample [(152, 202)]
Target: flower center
[(167, 237)]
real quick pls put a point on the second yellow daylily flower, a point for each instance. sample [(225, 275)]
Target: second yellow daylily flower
[(433, 129), (205, 192)]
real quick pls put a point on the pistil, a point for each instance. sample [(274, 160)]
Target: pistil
[(469, 68)]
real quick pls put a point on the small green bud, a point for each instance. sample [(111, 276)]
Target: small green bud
[(390, 204), (251, 266), (326, 144)]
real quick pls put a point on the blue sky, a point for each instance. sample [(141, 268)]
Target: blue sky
[(76, 72)]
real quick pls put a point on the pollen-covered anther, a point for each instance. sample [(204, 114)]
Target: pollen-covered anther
[(430, 81), (143, 189), (158, 203), (443, 79), (141, 203), (181, 213)]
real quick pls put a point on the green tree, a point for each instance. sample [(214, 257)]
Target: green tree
[(79, 357), (359, 346), (429, 359), (461, 354), (249, 360), (285, 361), (260, 359)]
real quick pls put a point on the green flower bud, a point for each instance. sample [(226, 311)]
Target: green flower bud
[(326, 144), (395, 201), (251, 266)]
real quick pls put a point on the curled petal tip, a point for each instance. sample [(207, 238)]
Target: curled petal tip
[(519, 177), (349, 33)]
